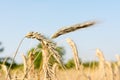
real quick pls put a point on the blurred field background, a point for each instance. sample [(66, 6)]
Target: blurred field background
[(46, 17)]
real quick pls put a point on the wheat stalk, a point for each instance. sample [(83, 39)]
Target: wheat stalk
[(102, 63), (48, 47), (25, 64), (116, 72), (14, 57), (72, 28), (109, 71), (46, 68), (76, 58), (100, 55), (28, 66), (54, 68), (75, 53), (31, 73), (4, 68)]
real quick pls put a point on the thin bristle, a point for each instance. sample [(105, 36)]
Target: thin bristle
[(72, 28)]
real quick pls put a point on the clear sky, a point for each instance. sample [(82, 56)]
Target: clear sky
[(17, 17)]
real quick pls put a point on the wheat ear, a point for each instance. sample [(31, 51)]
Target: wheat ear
[(4, 68), (72, 28), (75, 53), (102, 64)]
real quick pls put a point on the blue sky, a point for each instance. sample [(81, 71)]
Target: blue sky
[(17, 17)]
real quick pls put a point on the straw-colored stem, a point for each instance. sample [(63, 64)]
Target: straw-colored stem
[(14, 56)]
